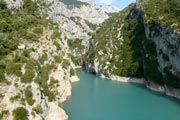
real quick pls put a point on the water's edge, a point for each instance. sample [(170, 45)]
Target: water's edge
[(172, 92), (175, 93)]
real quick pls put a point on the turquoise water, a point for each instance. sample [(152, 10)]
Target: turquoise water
[(94, 98)]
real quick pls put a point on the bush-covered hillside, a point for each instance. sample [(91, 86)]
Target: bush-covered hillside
[(163, 12), (126, 45), (30, 54)]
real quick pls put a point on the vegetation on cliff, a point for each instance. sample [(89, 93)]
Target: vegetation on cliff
[(30, 51), (122, 47)]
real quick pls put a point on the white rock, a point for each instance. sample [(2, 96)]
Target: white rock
[(56, 113), (14, 4), (74, 79), (22, 46)]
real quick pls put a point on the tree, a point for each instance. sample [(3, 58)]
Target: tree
[(175, 6), (2, 4), (20, 113)]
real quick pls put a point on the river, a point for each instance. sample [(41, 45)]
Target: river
[(94, 98)]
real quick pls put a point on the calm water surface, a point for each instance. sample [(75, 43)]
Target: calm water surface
[(94, 98)]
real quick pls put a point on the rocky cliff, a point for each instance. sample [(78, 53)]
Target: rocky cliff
[(140, 41), (43, 41), (77, 20), (39, 40)]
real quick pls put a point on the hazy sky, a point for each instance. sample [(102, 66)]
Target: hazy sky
[(118, 3)]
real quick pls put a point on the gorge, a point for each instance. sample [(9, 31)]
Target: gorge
[(42, 42)]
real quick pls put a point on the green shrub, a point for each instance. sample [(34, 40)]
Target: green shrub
[(51, 96), (4, 112), (13, 68), (72, 73), (2, 77), (29, 95), (28, 76), (43, 58), (1, 95), (30, 64), (77, 43), (38, 109), (42, 79), (2, 65), (23, 101), (57, 45), (76, 60), (58, 59), (31, 7), (20, 59), (26, 53), (20, 113), (171, 79), (53, 82), (31, 37), (59, 104), (56, 35), (65, 63), (33, 114), (90, 25), (38, 30), (15, 98), (2, 5)]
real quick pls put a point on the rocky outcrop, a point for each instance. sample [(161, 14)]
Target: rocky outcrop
[(124, 79), (172, 92), (55, 113), (14, 4)]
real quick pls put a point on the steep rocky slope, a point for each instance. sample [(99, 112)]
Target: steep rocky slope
[(77, 20), (39, 40), (140, 41), (35, 72), (43, 41)]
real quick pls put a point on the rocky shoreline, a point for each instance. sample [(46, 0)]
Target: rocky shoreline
[(172, 92), (61, 114)]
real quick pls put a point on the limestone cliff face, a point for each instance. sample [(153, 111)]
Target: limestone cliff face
[(77, 18), (168, 50), (77, 21), (46, 40), (166, 35), (141, 41)]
